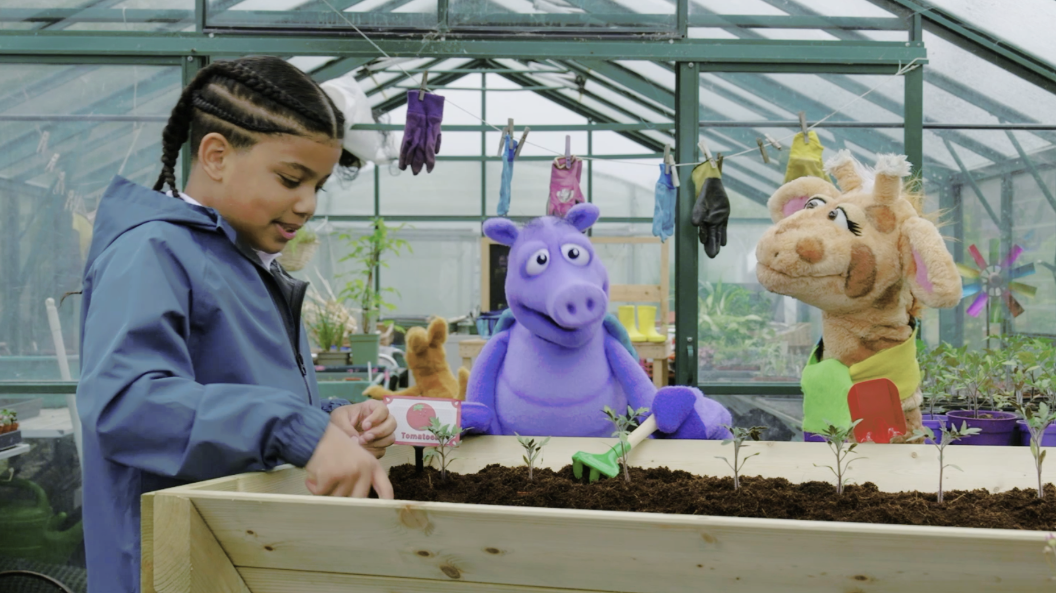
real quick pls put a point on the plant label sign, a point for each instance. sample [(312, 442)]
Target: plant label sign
[(413, 415)]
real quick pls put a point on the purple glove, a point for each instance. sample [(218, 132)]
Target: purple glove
[(434, 113), (684, 413), (476, 418), (413, 133)]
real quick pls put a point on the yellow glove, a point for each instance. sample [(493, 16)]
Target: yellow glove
[(705, 171), (83, 226), (804, 160)]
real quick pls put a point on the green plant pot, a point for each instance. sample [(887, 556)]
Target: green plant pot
[(364, 348), (332, 358)]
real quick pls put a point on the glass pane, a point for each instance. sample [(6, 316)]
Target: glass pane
[(66, 131), (789, 19), (555, 16), (453, 188), (78, 15), (330, 15), (963, 88), (1028, 26)]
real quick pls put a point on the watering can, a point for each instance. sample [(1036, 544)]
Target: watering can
[(29, 528)]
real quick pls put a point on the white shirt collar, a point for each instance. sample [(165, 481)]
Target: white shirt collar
[(266, 258)]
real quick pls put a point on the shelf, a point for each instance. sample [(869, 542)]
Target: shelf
[(13, 451), (52, 423)]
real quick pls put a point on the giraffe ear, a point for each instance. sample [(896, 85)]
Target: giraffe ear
[(792, 196), (930, 270)]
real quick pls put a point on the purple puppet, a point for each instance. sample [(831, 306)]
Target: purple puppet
[(557, 358)]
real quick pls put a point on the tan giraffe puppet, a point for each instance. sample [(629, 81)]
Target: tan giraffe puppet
[(428, 364), (869, 260)]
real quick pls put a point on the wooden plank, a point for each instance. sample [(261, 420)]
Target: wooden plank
[(266, 580), (665, 288), (276, 481), (485, 273), (187, 558), (634, 293), (146, 543), (612, 551)]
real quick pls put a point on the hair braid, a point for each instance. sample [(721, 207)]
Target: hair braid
[(178, 129), (251, 79)]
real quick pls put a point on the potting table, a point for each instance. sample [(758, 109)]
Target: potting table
[(51, 423), (262, 532)]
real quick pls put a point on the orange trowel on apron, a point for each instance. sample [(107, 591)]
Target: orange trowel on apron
[(877, 404)]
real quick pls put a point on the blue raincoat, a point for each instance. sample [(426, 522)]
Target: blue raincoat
[(189, 370)]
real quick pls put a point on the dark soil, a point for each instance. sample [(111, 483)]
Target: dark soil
[(661, 490)]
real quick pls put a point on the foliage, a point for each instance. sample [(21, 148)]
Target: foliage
[(446, 435), (938, 370), (732, 316), (327, 323), (740, 434), (1030, 363), (624, 424), (531, 451), (842, 443), (949, 435), (1037, 422), (368, 252), (8, 417)]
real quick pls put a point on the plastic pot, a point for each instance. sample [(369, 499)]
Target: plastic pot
[(1048, 439), (935, 423), (997, 428)]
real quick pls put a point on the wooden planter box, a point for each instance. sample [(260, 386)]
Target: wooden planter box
[(263, 533)]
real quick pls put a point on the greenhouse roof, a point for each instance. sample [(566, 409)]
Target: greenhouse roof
[(988, 102)]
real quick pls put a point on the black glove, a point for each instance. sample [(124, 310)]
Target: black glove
[(712, 209)]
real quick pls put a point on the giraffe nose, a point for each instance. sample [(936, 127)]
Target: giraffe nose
[(810, 250)]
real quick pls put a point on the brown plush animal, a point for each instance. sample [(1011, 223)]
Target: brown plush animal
[(869, 260), (428, 364)]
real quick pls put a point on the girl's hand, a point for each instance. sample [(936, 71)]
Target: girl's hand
[(341, 467), (369, 423)]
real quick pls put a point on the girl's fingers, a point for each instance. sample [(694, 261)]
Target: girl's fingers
[(361, 489), (381, 482)]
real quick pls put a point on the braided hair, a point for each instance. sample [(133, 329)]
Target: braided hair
[(242, 98)]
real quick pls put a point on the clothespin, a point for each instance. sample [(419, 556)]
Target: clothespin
[(704, 151), (520, 145), (60, 185), (803, 127), (51, 164), (568, 150), (773, 142), (421, 89), (667, 159), (762, 149), (43, 144), (507, 131)]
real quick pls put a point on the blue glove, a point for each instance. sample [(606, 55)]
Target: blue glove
[(476, 418), (507, 176), (664, 211), (684, 413)]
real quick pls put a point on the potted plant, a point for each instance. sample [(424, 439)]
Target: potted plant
[(937, 378), (367, 252), (328, 323), (979, 377), (8, 421)]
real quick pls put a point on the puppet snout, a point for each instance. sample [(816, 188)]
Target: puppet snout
[(578, 305), (793, 252), (810, 250)]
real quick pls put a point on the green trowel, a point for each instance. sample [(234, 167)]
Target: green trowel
[(608, 463)]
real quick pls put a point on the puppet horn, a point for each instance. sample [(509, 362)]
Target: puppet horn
[(845, 169), (890, 169)]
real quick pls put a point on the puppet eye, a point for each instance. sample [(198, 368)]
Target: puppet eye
[(538, 262), (838, 216), (813, 203), (575, 254)]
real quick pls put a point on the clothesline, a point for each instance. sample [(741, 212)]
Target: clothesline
[(768, 142)]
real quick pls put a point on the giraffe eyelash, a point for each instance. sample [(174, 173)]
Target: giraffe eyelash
[(854, 227)]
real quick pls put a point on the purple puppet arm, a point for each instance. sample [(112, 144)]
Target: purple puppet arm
[(478, 411), (681, 412)]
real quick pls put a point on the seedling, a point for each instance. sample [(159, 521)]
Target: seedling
[(531, 451), (949, 435), (624, 425), (446, 435), (843, 445), (1037, 422), (739, 436), (1050, 554)]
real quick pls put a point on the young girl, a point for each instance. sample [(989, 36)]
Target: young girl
[(193, 353)]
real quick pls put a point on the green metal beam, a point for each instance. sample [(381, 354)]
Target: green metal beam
[(710, 50), (337, 68), (633, 81), (687, 249), (975, 186)]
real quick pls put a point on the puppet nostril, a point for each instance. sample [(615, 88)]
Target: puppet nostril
[(590, 304), (571, 309)]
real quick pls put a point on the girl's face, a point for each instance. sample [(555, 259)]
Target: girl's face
[(267, 191)]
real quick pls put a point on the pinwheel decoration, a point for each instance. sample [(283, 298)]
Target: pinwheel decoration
[(997, 280)]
